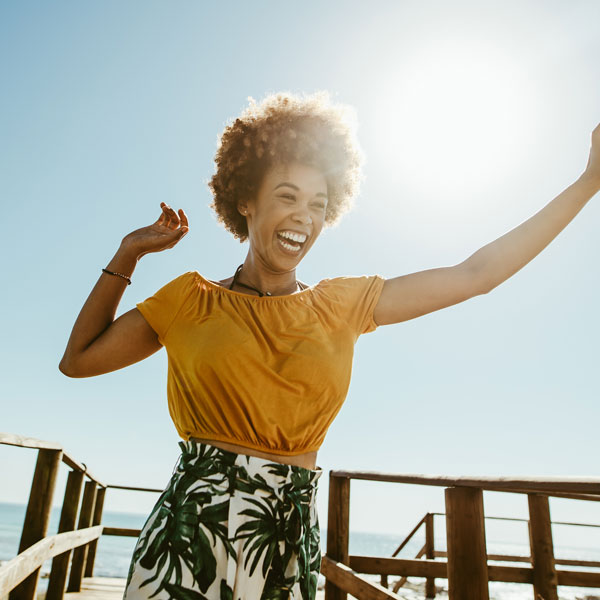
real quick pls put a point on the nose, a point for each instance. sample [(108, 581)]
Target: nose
[(303, 216)]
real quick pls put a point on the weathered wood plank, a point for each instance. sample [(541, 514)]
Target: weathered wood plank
[(411, 567), (578, 578), (510, 574), (68, 517), (589, 485), (346, 579), (122, 531), (107, 588), (134, 489), (465, 540), (96, 520), (25, 563), (37, 515), (99, 588), (85, 518), (13, 439), (429, 554), (404, 579), (338, 530), (545, 581)]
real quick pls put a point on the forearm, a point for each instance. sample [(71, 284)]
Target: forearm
[(100, 308), (502, 258)]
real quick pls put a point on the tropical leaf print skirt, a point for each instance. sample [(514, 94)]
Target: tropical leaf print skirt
[(229, 526)]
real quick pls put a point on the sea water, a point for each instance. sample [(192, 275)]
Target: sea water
[(114, 554)]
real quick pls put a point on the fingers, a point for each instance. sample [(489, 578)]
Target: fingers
[(184, 219), (171, 219)]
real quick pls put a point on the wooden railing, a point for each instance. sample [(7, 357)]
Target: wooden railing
[(466, 566), (19, 577), (430, 552)]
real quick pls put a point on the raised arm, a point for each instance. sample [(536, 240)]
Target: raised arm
[(416, 294), (98, 343)]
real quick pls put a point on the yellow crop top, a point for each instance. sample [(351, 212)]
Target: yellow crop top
[(269, 373)]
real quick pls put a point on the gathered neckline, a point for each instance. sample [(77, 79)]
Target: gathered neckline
[(282, 296)]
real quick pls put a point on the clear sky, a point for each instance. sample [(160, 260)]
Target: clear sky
[(471, 115)]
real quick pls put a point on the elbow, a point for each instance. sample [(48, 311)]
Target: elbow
[(485, 287), (66, 367), (479, 279)]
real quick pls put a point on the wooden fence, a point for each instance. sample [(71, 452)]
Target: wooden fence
[(72, 544), (466, 566)]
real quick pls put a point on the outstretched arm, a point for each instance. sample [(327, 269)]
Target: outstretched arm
[(416, 294)]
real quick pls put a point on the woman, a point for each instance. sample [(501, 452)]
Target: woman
[(259, 362)]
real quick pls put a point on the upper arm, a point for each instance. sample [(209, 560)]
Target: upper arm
[(416, 294), (127, 340)]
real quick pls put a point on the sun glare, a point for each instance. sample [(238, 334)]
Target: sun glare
[(455, 115)]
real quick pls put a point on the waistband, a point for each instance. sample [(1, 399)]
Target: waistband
[(241, 467)]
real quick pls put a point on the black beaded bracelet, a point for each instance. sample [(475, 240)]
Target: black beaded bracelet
[(118, 275)]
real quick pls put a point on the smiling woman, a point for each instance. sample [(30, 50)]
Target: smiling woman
[(286, 129), (259, 363), (257, 375)]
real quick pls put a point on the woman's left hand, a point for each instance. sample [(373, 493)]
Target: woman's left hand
[(592, 171)]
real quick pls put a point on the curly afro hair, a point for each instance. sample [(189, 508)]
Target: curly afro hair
[(281, 129)]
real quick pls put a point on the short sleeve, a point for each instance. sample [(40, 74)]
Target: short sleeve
[(356, 299), (161, 309)]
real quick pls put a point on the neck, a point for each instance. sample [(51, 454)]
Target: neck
[(256, 274)]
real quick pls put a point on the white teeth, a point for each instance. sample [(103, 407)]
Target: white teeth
[(295, 237), (289, 246)]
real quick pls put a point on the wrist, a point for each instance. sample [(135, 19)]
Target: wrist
[(124, 261), (128, 251), (590, 181)]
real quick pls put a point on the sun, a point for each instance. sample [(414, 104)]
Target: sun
[(454, 115)]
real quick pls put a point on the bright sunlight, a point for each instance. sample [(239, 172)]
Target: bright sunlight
[(457, 114)]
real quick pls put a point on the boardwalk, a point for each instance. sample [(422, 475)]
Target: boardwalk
[(97, 588), (110, 588), (464, 563)]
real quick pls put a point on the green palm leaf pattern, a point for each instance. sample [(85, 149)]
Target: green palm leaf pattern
[(277, 530)]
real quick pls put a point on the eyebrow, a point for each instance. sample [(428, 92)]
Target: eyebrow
[(297, 188)]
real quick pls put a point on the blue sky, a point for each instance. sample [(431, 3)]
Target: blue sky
[(471, 118)]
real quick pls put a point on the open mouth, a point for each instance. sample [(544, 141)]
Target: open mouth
[(291, 242)]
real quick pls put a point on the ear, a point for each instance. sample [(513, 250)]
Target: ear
[(242, 207)]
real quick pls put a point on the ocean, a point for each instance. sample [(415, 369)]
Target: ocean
[(114, 553)]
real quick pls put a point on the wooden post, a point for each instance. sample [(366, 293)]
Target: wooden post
[(467, 556), (85, 517), (68, 516), (91, 555), (542, 554), (430, 554), (338, 529), (37, 515)]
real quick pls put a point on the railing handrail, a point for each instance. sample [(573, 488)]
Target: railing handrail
[(13, 439), (513, 484), (133, 488), (441, 514), (24, 564), (75, 544)]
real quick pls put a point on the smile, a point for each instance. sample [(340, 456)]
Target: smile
[(291, 241), (289, 247)]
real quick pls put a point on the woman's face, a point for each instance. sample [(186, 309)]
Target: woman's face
[(287, 215)]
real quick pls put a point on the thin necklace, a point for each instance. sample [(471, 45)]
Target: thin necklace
[(260, 293)]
